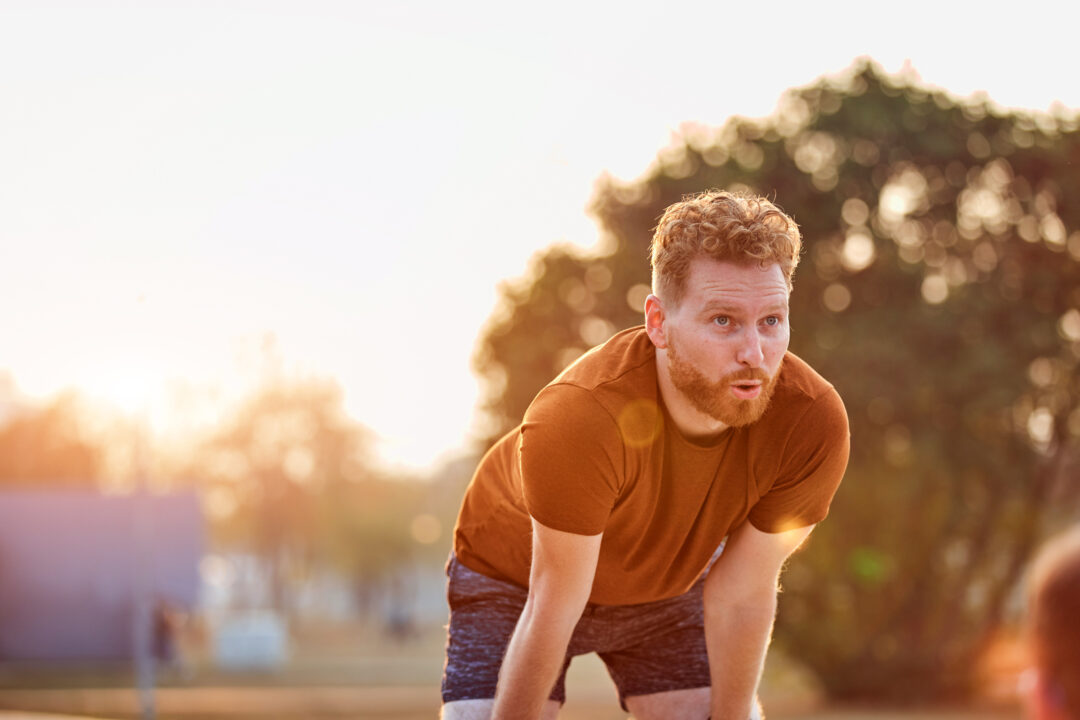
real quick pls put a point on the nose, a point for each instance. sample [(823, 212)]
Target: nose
[(749, 352)]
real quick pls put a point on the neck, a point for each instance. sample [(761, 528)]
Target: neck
[(690, 421)]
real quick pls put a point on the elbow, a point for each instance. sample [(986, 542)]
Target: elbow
[(746, 617), (746, 602)]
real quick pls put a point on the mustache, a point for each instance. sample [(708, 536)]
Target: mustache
[(746, 374)]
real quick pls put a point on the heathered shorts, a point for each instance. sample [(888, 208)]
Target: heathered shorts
[(647, 648)]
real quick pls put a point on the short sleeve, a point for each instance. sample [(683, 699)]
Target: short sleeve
[(813, 463), (569, 459)]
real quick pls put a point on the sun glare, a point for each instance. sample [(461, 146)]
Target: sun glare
[(129, 389)]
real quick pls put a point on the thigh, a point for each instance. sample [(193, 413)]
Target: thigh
[(665, 650), (483, 614)]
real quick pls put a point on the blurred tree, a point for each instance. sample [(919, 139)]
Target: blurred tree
[(46, 447), (939, 292), (281, 472), (379, 530)]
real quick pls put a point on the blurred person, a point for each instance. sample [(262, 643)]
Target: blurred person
[(1053, 606), (166, 621), (645, 506)]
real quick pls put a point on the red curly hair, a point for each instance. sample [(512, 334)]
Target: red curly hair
[(722, 225)]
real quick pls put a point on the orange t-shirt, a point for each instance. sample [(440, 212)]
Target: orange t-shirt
[(597, 452)]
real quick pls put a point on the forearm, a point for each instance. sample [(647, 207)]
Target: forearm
[(737, 637), (531, 665)]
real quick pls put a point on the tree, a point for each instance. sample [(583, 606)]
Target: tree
[(47, 448), (939, 292), (270, 470), (290, 478)]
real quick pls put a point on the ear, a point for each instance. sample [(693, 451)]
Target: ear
[(654, 321)]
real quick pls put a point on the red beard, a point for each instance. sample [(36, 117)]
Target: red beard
[(714, 398)]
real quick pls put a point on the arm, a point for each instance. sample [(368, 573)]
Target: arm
[(561, 577), (740, 605)]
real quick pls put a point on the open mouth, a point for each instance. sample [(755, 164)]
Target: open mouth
[(746, 389)]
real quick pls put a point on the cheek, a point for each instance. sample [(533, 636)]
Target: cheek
[(776, 347)]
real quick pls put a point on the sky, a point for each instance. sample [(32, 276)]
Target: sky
[(196, 194)]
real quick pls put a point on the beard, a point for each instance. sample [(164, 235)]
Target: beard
[(714, 398)]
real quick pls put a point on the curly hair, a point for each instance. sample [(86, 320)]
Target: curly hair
[(722, 225), (1053, 595)]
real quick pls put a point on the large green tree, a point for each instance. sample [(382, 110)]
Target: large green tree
[(939, 291)]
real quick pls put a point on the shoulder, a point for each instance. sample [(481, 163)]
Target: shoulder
[(609, 379), (796, 376), (805, 410), (571, 448), (801, 390), (803, 443), (624, 356), (608, 396)]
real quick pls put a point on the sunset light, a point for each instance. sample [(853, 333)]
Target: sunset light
[(170, 196), (280, 280)]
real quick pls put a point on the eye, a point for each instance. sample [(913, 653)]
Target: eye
[(772, 320), (722, 320)]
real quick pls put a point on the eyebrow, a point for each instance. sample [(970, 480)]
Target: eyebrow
[(720, 306)]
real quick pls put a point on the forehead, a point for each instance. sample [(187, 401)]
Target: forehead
[(741, 285)]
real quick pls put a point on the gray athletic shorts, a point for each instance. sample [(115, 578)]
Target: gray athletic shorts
[(648, 648)]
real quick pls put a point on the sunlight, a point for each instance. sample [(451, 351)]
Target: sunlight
[(130, 389), (366, 149), (255, 250)]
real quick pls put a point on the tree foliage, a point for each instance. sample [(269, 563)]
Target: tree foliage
[(291, 478), (939, 291), (269, 470), (47, 448)]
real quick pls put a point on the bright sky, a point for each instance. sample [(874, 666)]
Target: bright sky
[(180, 181)]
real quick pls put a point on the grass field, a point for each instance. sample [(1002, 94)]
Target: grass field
[(354, 672)]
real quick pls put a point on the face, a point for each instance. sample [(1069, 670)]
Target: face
[(726, 339)]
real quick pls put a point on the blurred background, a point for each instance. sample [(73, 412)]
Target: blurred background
[(274, 274)]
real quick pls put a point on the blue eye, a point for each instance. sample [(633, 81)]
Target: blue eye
[(722, 320), (772, 320)]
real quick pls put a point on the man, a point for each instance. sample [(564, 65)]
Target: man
[(1054, 630), (592, 527)]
